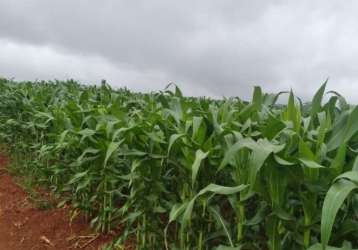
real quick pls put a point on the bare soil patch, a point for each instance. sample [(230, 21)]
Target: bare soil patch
[(24, 226)]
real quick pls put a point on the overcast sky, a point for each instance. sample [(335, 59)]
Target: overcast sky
[(215, 48)]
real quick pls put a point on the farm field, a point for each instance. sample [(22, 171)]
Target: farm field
[(178, 172)]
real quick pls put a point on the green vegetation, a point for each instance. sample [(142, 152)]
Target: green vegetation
[(191, 173)]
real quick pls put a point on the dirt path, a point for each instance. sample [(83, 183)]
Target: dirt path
[(25, 227)]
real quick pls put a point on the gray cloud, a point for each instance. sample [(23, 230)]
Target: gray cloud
[(208, 47)]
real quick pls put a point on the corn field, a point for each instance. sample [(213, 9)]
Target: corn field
[(178, 172)]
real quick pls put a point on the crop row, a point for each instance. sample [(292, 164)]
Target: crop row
[(191, 173)]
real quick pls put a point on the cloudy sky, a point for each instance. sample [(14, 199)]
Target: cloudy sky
[(215, 48)]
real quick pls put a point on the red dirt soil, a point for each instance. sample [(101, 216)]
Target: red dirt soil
[(25, 227)]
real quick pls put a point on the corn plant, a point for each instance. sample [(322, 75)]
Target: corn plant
[(178, 172)]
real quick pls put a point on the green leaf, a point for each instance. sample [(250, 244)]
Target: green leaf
[(83, 184), (350, 175), (197, 120), (292, 113), (216, 189), (339, 160), (199, 157), (282, 161), (261, 150), (309, 163), (305, 151), (173, 138), (110, 150), (346, 130), (77, 177), (87, 151), (355, 164), (257, 98), (317, 99), (222, 223), (176, 211), (260, 153), (272, 127), (232, 151), (335, 197)]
